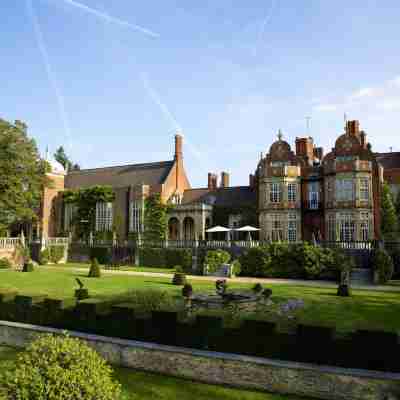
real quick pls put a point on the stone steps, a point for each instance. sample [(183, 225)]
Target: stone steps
[(361, 276)]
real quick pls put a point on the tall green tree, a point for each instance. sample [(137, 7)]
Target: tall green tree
[(61, 156), (155, 219), (389, 222), (397, 206), (22, 175)]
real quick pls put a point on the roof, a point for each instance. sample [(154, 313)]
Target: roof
[(224, 197), (389, 160), (120, 176)]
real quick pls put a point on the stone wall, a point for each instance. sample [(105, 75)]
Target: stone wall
[(220, 368)]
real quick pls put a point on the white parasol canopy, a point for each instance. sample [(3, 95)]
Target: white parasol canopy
[(218, 228), (247, 228)]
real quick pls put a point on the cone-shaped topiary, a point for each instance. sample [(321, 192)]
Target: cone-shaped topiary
[(28, 267), (179, 279), (59, 367), (94, 271)]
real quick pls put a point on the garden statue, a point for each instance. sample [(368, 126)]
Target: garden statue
[(82, 293), (344, 286)]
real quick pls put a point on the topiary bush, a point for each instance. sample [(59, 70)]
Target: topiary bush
[(28, 267), (236, 268), (56, 253), (44, 257), (179, 279), (187, 290), (382, 264), (94, 271), (215, 258), (5, 263), (59, 367)]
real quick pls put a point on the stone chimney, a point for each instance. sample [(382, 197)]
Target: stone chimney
[(353, 128), (319, 153), (178, 147), (363, 139), (305, 148), (252, 181), (224, 179), (212, 181)]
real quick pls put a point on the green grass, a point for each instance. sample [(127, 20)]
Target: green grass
[(138, 385), (365, 309)]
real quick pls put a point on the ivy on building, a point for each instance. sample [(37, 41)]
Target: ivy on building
[(85, 200), (155, 219)]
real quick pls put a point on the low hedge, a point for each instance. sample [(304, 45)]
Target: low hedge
[(102, 254), (294, 261), (165, 258), (252, 337)]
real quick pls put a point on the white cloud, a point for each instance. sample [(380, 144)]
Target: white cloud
[(365, 92), (396, 81), (390, 104), (325, 108)]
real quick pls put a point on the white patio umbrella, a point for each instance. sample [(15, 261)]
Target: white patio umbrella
[(247, 229), (217, 229)]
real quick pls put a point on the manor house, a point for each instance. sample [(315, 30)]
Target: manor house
[(293, 194)]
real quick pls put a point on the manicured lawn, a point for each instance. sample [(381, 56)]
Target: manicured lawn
[(123, 268), (365, 309), (144, 386)]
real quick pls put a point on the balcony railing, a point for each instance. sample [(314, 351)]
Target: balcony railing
[(9, 243)]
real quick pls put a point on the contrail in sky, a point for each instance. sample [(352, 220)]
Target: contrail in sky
[(203, 161), (109, 18), (264, 24), (49, 70)]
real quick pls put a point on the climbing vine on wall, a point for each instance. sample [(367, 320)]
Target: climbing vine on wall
[(155, 219), (85, 201)]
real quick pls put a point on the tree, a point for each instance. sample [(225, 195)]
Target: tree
[(22, 175), (397, 206), (155, 219), (61, 156), (389, 223)]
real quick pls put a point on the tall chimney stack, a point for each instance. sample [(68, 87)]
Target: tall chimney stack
[(178, 147), (224, 179), (212, 181), (353, 128)]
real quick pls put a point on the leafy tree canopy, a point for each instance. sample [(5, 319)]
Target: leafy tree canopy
[(61, 156), (22, 175), (389, 222)]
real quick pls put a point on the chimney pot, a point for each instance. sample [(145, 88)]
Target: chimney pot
[(178, 147), (224, 180)]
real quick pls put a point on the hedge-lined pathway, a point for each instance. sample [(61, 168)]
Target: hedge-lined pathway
[(296, 282)]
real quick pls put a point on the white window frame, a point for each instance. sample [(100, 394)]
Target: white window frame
[(347, 228), (364, 189), (313, 195), (292, 228), (344, 189), (292, 192), (136, 217), (275, 192), (104, 217)]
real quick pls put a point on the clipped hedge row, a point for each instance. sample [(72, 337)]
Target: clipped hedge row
[(362, 349), (294, 261), (165, 258)]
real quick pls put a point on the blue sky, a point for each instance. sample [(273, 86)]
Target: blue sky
[(113, 81)]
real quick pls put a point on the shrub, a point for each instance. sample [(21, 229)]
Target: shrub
[(267, 293), (187, 290), (254, 262), (54, 368), (395, 254), (179, 279), (382, 264), (215, 258), (44, 257), (102, 254), (146, 300), (236, 268), (56, 253), (181, 257), (5, 263), (178, 269), (150, 257), (94, 271), (257, 288), (28, 267)]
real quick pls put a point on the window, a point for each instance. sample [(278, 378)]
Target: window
[(331, 228), (347, 228), (276, 227), (313, 195), (364, 189), (344, 190), (292, 192), (364, 227), (69, 211), (275, 193), (292, 228), (136, 219), (104, 217)]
